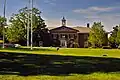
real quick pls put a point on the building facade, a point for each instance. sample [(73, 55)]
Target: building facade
[(70, 36)]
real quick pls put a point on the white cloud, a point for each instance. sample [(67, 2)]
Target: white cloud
[(101, 9), (91, 17), (51, 2), (108, 20), (92, 10), (109, 16)]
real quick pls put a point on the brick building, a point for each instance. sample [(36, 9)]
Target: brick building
[(70, 36)]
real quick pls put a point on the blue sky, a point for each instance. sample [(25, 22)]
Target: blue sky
[(77, 12)]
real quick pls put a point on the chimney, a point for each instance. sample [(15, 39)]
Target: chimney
[(88, 25)]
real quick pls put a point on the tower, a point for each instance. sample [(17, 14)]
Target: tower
[(63, 21)]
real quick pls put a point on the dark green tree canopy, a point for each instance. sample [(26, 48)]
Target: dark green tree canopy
[(112, 38), (19, 23), (118, 36)]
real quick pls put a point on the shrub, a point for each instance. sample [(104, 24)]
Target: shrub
[(118, 47)]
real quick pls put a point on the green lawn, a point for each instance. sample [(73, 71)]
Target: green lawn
[(67, 51), (65, 64)]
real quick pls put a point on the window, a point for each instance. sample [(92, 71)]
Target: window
[(52, 35), (57, 36), (61, 35), (85, 37), (69, 36), (66, 36)]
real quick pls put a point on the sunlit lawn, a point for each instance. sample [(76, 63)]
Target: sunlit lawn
[(66, 51), (65, 64), (94, 76)]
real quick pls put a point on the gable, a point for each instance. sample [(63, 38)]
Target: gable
[(63, 29)]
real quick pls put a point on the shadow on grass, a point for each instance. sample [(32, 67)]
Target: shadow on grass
[(28, 49), (33, 64)]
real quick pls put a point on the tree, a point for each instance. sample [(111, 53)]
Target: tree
[(112, 38), (97, 36), (14, 33), (118, 36), (2, 20), (19, 24), (42, 35)]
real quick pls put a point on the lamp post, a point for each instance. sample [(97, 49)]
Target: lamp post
[(31, 24), (28, 26), (4, 23)]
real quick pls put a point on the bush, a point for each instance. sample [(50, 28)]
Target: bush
[(118, 47), (106, 47)]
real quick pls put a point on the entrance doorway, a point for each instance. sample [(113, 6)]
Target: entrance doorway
[(63, 43)]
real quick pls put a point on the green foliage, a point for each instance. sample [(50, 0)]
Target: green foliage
[(2, 20), (97, 36), (112, 38), (118, 36), (14, 33), (42, 35), (17, 31)]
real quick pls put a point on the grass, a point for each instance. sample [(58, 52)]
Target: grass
[(65, 64), (66, 51), (94, 76)]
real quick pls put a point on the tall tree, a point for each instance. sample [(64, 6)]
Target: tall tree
[(97, 36), (118, 36), (2, 20), (20, 20), (112, 38)]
